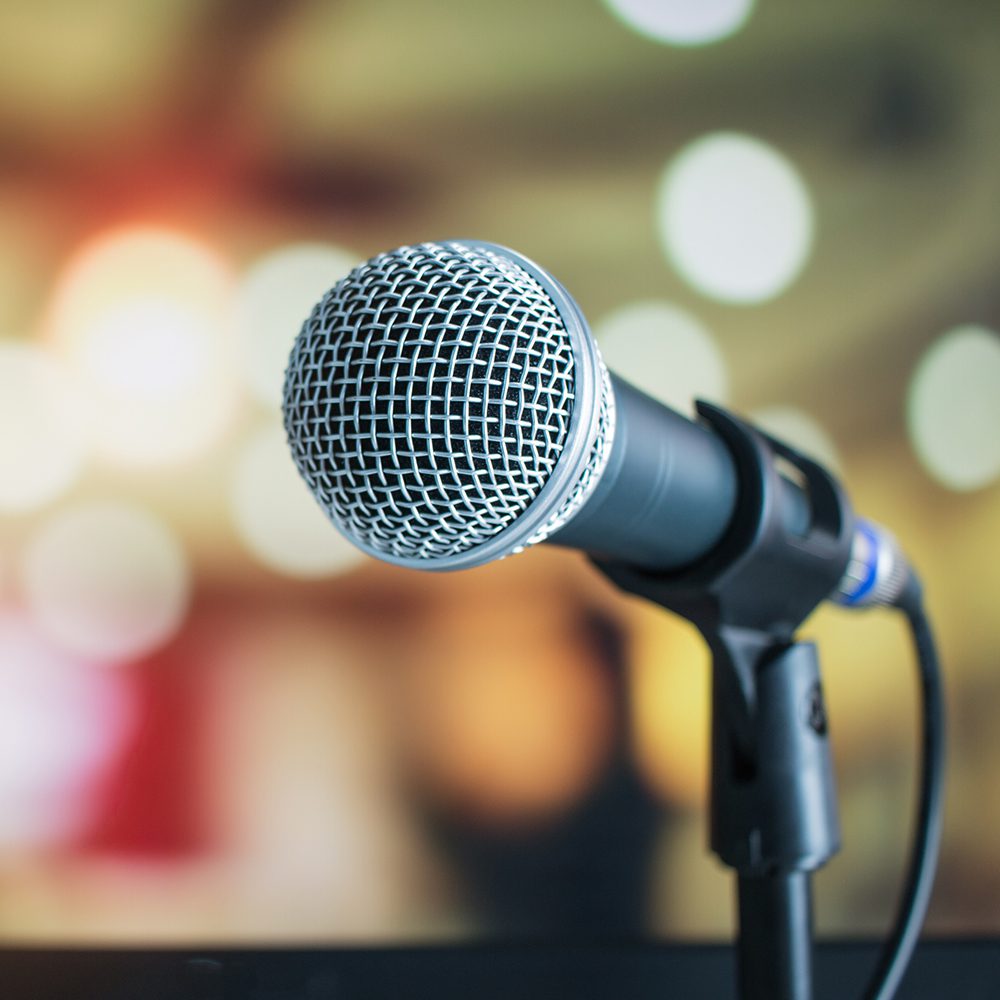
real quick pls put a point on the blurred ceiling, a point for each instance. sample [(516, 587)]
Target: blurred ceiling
[(546, 126)]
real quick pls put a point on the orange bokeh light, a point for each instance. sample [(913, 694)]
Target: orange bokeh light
[(508, 728)]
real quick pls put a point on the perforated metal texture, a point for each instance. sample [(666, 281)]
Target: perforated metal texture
[(428, 399)]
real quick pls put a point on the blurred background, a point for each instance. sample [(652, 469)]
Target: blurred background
[(218, 722)]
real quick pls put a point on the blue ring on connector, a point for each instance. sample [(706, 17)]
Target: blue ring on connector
[(866, 585)]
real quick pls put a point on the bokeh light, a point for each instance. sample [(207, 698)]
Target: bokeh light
[(275, 297), (800, 431), (683, 22), (344, 870), (735, 218), (106, 580), (953, 408), (41, 443), (509, 726), (665, 352), (142, 318), (62, 723), (670, 691), (277, 517)]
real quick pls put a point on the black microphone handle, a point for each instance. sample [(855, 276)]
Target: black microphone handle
[(668, 492)]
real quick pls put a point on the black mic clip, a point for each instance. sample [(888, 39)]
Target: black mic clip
[(776, 562)]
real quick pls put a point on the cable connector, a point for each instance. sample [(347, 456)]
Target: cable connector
[(877, 572)]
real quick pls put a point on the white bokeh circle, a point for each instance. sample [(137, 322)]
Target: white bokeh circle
[(735, 218), (800, 431), (106, 580), (142, 320), (683, 22), (274, 298), (277, 517), (953, 408), (42, 440), (665, 352)]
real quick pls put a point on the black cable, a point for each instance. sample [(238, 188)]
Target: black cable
[(898, 948)]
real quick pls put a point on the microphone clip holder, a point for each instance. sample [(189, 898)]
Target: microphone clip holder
[(773, 801)]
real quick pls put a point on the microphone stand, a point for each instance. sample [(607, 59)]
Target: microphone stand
[(773, 800)]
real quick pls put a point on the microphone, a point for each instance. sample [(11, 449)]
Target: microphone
[(447, 406)]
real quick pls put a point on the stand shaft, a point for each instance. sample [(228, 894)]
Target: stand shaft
[(775, 940), (774, 811)]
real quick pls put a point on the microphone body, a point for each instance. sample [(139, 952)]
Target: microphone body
[(667, 494)]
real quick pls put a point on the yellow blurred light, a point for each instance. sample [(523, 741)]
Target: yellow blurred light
[(665, 352), (691, 894), (735, 218), (277, 517), (41, 444), (142, 318), (62, 721), (275, 297), (799, 430), (511, 726), (683, 22), (107, 581), (953, 408), (670, 705)]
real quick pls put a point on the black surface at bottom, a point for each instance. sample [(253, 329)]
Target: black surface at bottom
[(941, 970)]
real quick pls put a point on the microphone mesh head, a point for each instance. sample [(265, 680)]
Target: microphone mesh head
[(428, 400)]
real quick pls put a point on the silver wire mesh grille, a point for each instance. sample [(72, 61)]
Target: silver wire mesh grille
[(596, 461), (428, 399)]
